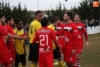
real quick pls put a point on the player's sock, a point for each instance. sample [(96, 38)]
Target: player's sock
[(78, 62), (61, 64), (33, 65)]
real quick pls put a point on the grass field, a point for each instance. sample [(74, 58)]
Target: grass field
[(91, 54)]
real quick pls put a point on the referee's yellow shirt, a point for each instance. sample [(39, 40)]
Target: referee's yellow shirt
[(34, 26), (53, 28)]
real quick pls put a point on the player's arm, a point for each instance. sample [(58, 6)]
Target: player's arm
[(60, 32), (85, 34), (54, 38), (4, 32), (35, 38)]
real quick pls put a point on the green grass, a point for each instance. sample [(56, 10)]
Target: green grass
[(91, 54)]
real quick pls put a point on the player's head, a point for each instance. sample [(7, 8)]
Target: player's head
[(76, 17), (67, 16), (10, 20), (58, 19), (38, 15), (53, 20), (19, 24), (44, 22), (2, 18)]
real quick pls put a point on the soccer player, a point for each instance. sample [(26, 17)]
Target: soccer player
[(71, 38), (59, 27), (5, 55), (81, 31), (45, 36), (20, 45), (8, 27), (56, 51), (33, 48)]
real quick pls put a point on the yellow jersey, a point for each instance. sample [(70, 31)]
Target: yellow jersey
[(19, 43), (34, 26), (53, 28)]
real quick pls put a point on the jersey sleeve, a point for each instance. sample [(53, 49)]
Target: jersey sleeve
[(85, 33), (60, 32), (36, 38), (75, 36), (3, 31)]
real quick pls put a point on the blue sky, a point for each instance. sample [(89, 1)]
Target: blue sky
[(42, 4)]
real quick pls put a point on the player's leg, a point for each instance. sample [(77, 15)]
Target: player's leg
[(33, 54), (69, 58), (57, 55), (79, 52), (17, 60), (42, 60), (6, 56), (12, 50), (23, 60), (49, 60)]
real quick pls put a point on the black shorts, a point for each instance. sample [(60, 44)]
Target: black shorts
[(34, 52), (20, 59), (56, 53)]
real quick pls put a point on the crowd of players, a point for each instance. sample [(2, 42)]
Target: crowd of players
[(48, 40)]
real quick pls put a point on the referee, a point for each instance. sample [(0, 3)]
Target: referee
[(33, 48)]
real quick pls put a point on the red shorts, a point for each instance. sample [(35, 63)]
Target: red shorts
[(68, 56), (79, 48), (5, 55), (46, 59), (12, 50), (61, 42)]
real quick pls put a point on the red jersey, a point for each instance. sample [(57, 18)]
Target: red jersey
[(3, 32), (71, 34), (45, 36), (59, 28), (81, 31)]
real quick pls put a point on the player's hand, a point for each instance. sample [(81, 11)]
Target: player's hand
[(87, 43), (26, 37), (73, 51)]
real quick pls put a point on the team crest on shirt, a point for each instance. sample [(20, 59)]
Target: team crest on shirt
[(79, 27), (68, 28)]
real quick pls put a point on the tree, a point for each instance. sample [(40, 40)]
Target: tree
[(86, 10)]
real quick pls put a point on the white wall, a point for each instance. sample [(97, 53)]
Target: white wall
[(93, 30)]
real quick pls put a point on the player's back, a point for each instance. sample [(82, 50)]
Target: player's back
[(45, 37)]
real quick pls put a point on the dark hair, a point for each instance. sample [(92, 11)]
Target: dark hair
[(44, 22), (18, 21), (53, 19), (1, 15), (8, 18), (58, 18), (37, 12), (69, 14), (77, 14)]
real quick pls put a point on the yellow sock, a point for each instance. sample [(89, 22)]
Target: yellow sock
[(33, 65), (23, 66), (61, 64)]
